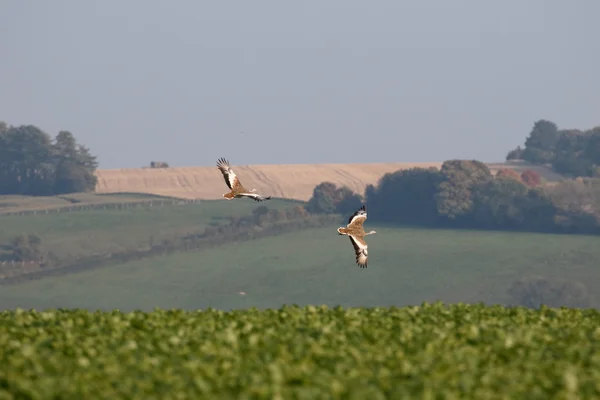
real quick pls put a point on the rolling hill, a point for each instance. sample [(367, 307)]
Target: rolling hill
[(316, 266), (291, 181), (73, 236)]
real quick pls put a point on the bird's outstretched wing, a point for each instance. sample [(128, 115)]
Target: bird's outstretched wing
[(231, 178), (254, 196), (357, 219), (360, 249)]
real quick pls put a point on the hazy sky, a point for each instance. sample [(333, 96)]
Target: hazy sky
[(263, 82)]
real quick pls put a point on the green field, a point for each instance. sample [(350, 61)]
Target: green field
[(426, 352), (316, 352), (19, 203), (316, 266), (83, 233)]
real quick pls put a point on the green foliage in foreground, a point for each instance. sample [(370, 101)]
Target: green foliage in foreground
[(459, 351)]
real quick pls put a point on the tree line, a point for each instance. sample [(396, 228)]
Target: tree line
[(35, 164), (465, 194), (568, 151)]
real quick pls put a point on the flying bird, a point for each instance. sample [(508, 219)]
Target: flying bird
[(354, 230), (233, 183)]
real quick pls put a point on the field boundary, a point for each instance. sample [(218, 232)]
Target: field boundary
[(101, 206), (196, 242), (127, 205)]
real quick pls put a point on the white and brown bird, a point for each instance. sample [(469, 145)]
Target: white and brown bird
[(232, 181), (354, 230)]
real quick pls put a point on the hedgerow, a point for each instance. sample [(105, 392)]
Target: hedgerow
[(313, 352)]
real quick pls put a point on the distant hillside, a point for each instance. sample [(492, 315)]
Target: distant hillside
[(292, 181)]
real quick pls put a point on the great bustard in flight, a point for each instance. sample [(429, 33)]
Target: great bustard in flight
[(356, 233), (232, 181)]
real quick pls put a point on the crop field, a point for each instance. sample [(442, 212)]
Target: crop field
[(317, 266), (313, 352), (290, 181), (73, 234)]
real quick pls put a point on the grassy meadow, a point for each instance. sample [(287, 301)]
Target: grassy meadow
[(81, 233), (316, 266), (430, 351), (19, 203)]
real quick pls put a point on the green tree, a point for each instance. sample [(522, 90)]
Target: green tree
[(498, 203), (515, 154), (26, 166), (453, 198), (75, 165), (539, 211), (31, 164), (541, 142), (592, 148), (543, 135), (7, 181), (323, 199), (465, 194), (348, 201), (570, 151), (327, 198), (569, 154), (405, 197), (577, 204)]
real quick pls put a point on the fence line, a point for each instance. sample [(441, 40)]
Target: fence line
[(103, 206), (19, 262)]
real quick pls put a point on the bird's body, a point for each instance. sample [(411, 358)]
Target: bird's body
[(233, 183), (354, 230)]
